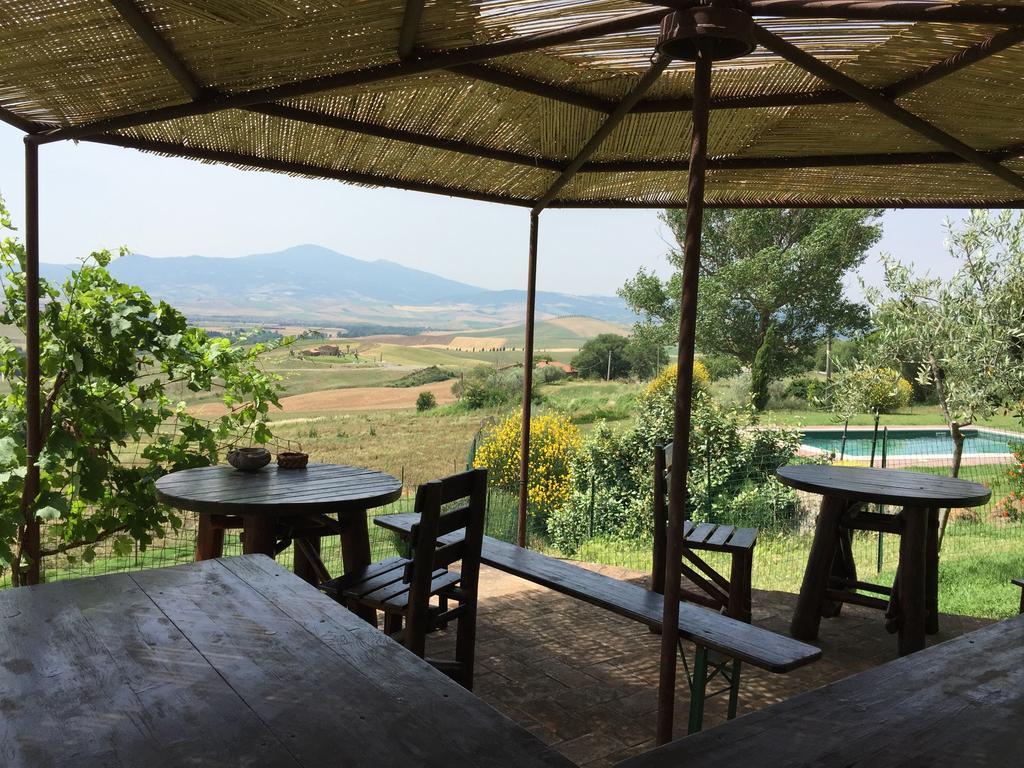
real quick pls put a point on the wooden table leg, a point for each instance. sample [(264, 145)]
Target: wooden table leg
[(259, 534), (912, 602), (842, 572), (931, 574), (355, 553), (209, 539), (807, 616), (303, 568)]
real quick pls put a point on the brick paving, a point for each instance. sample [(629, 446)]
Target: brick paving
[(585, 680)]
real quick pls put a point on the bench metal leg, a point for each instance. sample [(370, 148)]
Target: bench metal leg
[(734, 689), (698, 688)]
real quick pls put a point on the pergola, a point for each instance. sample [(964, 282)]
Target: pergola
[(539, 104)]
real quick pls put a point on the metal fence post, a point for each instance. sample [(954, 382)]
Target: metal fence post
[(881, 507), (593, 486)]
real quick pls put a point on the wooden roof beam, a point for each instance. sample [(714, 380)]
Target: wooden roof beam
[(882, 105), (525, 84), (158, 46), (623, 108), (889, 10), (22, 124), (303, 169), (851, 202), (410, 27), (428, 62), (795, 161), (963, 58), (885, 10), (394, 134)]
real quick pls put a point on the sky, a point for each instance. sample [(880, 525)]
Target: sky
[(94, 196)]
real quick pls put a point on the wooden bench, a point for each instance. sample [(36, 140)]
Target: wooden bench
[(707, 630), (1020, 583)]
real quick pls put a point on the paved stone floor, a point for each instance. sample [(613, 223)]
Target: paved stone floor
[(585, 680)]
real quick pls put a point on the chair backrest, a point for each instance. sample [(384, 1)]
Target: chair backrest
[(469, 489), (662, 478)]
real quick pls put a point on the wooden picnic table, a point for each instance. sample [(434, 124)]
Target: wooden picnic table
[(231, 662), (912, 604), (959, 704), (268, 503)]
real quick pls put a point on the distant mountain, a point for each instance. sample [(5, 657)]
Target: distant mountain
[(312, 283)]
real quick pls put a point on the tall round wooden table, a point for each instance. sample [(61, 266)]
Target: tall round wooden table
[(830, 578), (267, 503)]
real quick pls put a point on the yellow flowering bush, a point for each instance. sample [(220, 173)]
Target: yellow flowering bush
[(665, 382), (555, 446)]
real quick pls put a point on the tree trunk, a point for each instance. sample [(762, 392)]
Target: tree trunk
[(828, 359), (955, 433), (762, 370)]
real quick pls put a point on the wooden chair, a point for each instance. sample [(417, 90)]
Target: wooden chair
[(402, 587), (730, 596)]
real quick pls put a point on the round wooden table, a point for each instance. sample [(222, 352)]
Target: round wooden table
[(830, 578), (265, 504)]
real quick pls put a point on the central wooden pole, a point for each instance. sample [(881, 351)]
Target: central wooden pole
[(33, 436), (524, 446), (684, 389)]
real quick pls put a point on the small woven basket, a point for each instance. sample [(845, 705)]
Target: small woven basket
[(292, 460)]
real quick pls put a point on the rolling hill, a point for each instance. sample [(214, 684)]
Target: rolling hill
[(309, 283)]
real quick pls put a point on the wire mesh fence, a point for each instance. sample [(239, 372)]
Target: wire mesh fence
[(983, 548)]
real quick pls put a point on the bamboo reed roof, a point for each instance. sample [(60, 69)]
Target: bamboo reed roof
[(423, 96)]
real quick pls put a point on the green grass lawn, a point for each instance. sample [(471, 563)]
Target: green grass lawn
[(975, 568)]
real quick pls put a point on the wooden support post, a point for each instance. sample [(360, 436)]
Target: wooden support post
[(524, 445), (684, 389), (33, 413)]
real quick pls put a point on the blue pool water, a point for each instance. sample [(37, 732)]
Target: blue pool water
[(908, 442)]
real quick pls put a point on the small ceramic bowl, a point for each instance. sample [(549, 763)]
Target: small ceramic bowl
[(249, 459), (292, 460)]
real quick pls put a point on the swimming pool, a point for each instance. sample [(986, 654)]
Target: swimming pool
[(908, 442)]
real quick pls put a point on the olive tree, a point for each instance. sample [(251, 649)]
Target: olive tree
[(114, 364), (965, 335)]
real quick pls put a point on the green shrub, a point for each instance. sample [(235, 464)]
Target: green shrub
[(423, 376), (489, 387), (721, 366), (770, 507), (864, 389), (1012, 505), (805, 388), (549, 374), (569, 526), (425, 401), (728, 460)]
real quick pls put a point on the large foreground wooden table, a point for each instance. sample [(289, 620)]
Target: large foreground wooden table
[(959, 704), (232, 662)]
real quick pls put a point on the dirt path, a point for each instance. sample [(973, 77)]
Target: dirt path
[(351, 399)]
